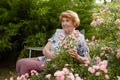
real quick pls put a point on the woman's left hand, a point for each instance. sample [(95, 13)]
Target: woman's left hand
[(73, 53)]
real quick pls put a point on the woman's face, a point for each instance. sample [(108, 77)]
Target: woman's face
[(67, 25)]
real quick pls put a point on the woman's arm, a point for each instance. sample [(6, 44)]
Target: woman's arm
[(46, 51), (73, 53)]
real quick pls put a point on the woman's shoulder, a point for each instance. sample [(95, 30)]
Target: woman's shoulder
[(81, 35), (58, 31)]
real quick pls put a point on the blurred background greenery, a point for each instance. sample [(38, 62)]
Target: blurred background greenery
[(29, 23)]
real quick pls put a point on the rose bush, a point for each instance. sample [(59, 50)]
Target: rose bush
[(104, 51)]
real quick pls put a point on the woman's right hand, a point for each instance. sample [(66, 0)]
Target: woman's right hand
[(47, 52), (53, 55)]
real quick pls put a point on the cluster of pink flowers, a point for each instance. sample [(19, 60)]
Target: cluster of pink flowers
[(60, 75), (118, 7), (64, 74), (96, 22), (25, 76), (118, 53), (117, 21), (99, 68), (69, 41), (104, 49)]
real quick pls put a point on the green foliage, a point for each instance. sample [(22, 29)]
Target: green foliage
[(35, 19), (104, 46)]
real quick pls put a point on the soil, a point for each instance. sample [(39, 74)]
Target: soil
[(7, 69)]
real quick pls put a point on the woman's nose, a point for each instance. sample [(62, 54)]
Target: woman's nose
[(64, 23)]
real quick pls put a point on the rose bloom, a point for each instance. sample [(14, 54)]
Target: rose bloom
[(118, 55), (66, 71), (48, 76), (93, 38), (99, 21), (118, 77), (94, 15), (61, 36), (106, 76), (93, 23), (97, 73), (66, 64), (117, 21), (118, 7), (58, 73), (91, 70)]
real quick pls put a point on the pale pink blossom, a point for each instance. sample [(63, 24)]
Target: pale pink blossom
[(78, 78), (118, 7), (72, 69), (99, 21), (48, 60), (91, 70), (96, 67), (61, 36), (66, 64), (22, 77), (11, 78), (103, 65), (118, 34), (98, 59), (106, 76), (34, 72), (102, 54), (76, 75), (93, 38), (87, 62), (117, 21), (104, 9), (105, 62), (66, 71), (73, 36), (42, 65), (76, 33), (93, 23), (65, 46), (118, 55), (103, 48), (118, 77), (105, 70), (48, 76), (97, 73), (58, 73), (70, 76), (26, 75), (60, 77), (94, 15), (91, 44)]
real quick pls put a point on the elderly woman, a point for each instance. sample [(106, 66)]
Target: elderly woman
[(69, 21)]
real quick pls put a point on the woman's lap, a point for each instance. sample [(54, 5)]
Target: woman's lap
[(25, 65)]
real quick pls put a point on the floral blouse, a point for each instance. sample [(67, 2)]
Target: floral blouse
[(81, 47)]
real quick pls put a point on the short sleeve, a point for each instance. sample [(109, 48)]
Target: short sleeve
[(52, 38), (82, 47), (55, 35)]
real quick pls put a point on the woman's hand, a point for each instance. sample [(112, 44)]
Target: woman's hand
[(53, 55), (73, 53)]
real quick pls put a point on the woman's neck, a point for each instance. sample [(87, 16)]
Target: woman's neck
[(69, 33)]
